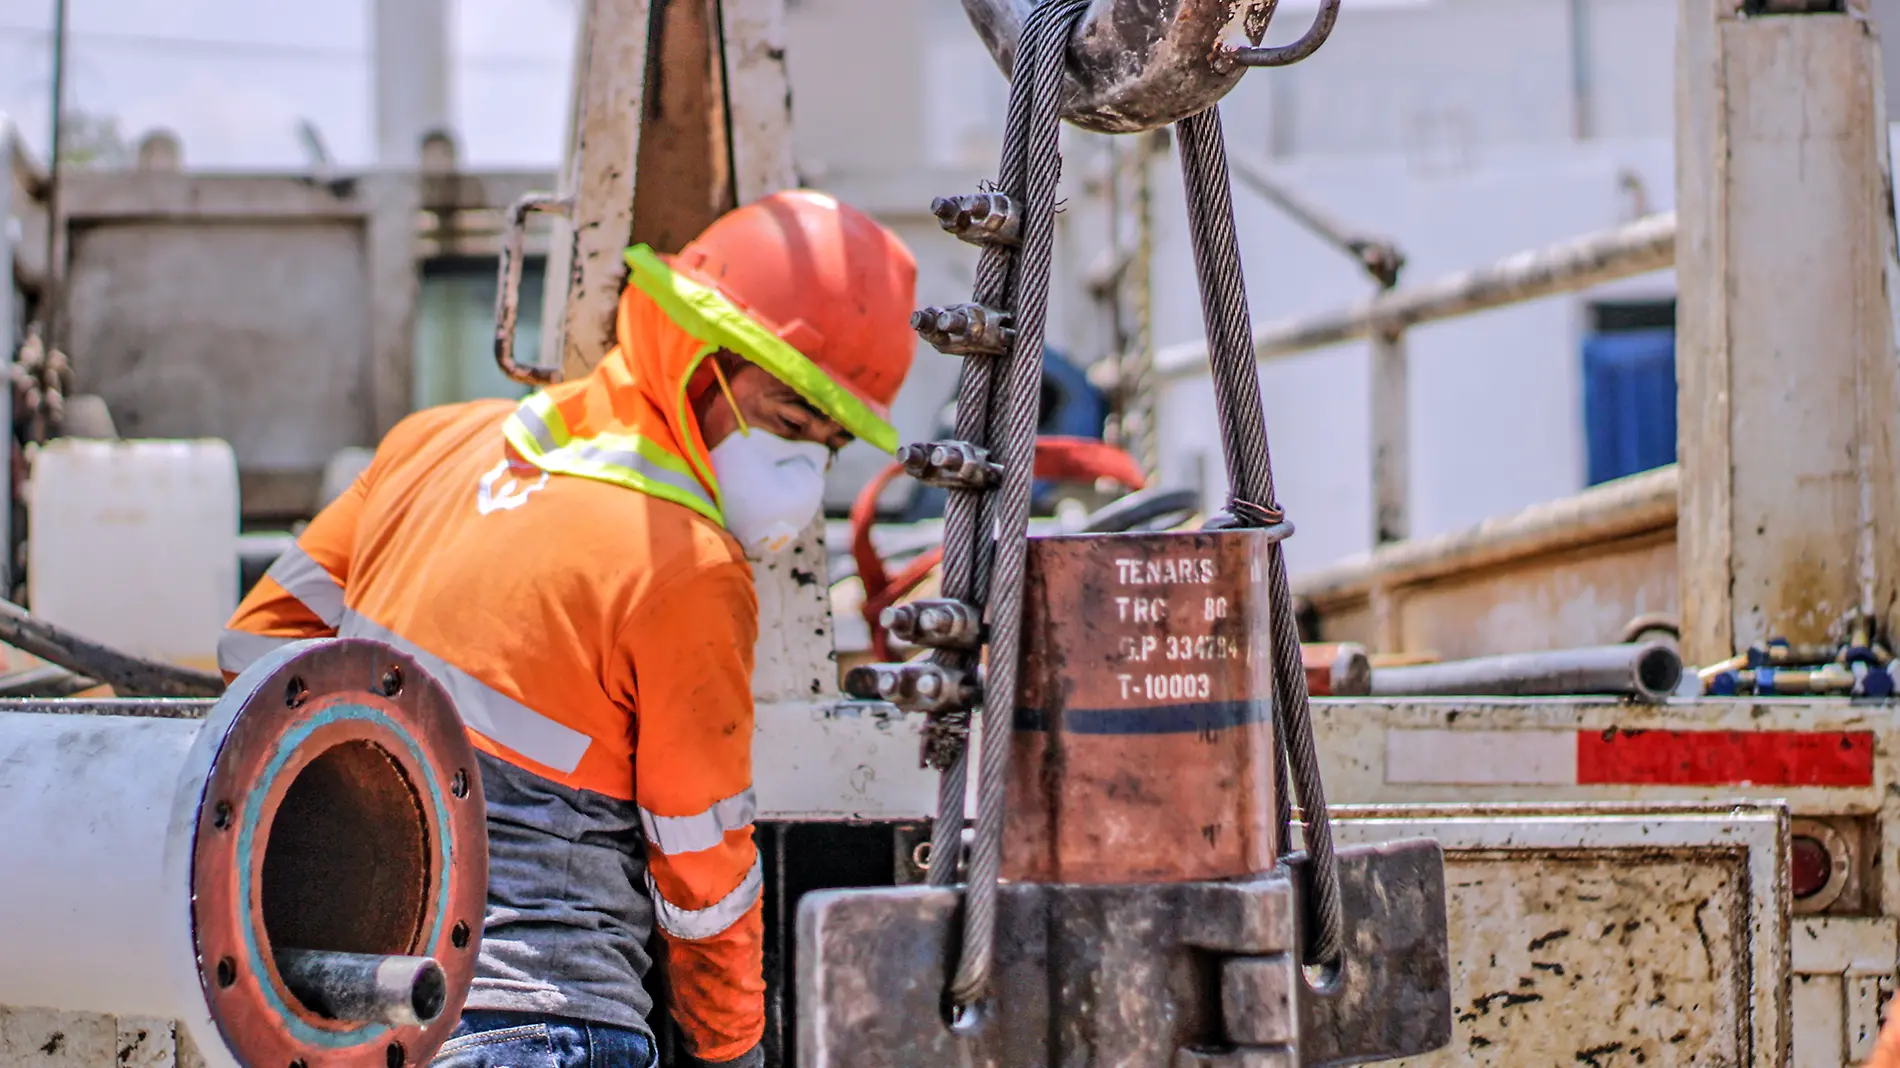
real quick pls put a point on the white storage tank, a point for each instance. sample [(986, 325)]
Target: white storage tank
[(134, 544)]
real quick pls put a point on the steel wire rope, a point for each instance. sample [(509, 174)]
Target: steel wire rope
[(1252, 502), (1012, 436), (969, 514)]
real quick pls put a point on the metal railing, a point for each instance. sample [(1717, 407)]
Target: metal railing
[(1648, 244)]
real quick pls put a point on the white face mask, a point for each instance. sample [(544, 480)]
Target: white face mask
[(771, 488)]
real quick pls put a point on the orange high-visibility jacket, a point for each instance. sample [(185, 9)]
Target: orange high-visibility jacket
[(1887, 1048), (597, 642)]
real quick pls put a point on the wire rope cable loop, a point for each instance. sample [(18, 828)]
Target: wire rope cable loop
[(1252, 502)]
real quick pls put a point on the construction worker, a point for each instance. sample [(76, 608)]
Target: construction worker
[(573, 570)]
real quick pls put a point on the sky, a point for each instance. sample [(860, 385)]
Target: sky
[(233, 77)]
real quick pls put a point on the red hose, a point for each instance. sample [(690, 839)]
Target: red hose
[(1058, 459)]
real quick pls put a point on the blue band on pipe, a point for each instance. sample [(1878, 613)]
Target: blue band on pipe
[(1161, 719)]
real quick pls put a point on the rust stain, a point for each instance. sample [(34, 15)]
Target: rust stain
[(1532, 996), (1546, 939), (1142, 749), (1802, 595)]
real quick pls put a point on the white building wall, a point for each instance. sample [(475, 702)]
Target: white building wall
[(1496, 400), (1449, 125), (1439, 77)]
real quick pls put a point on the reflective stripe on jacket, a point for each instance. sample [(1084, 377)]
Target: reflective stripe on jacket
[(613, 428)]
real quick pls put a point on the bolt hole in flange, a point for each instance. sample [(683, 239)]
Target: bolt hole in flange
[(459, 936), (459, 784), (394, 1057), (392, 681), (227, 971)]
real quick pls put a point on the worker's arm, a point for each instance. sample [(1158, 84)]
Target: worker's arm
[(301, 596), (690, 656)]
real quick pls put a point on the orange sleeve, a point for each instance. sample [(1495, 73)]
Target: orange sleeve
[(690, 651), (301, 596), (1887, 1049)]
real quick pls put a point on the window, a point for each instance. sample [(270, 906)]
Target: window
[(455, 330), (1629, 388)]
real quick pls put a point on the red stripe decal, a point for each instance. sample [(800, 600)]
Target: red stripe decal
[(1725, 758)]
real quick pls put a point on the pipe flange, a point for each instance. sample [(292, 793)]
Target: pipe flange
[(343, 812)]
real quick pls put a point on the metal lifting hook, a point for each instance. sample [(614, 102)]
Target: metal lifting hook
[(1309, 42), (1137, 65)]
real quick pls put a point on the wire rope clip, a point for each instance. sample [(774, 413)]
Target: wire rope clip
[(956, 465), (940, 623), (981, 218), (965, 329), (914, 687)]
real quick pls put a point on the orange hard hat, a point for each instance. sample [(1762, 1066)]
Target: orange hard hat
[(826, 278)]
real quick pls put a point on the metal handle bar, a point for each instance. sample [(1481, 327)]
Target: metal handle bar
[(1283, 55), (508, 290)]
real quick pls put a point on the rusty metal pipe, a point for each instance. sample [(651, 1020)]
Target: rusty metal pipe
[(1648, 244), (1649, 671), (365, 987), (1639, 504), (1341, 669), (155, 856), (1110, 765)]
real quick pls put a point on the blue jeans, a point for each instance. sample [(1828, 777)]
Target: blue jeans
[(486, 1039)]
